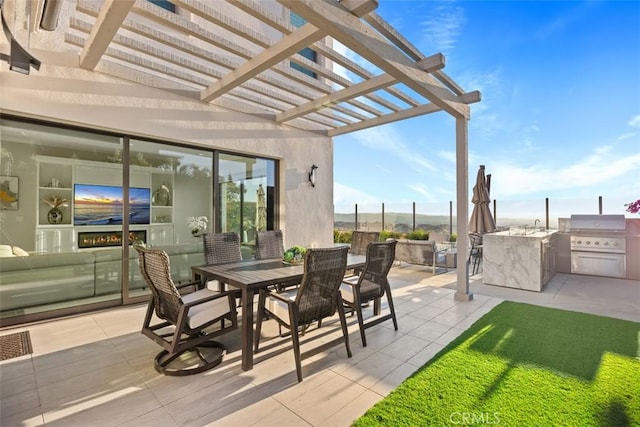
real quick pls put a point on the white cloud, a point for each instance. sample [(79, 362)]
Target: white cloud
[(385, 139), (564, 21), (443, 27), (450, 156), (483, 116), (344, 198), (601, 166), (635, 121), (627, 136), (422, 189)]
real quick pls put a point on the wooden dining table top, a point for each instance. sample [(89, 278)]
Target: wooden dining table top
[(261, 273)]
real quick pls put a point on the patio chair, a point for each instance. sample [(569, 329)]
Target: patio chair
[(371, 285), (221, 248), (188, 323), (475, 253), (270, 245), (317, 297), (360, 240)]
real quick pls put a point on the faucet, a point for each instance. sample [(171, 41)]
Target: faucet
[(536, 222)]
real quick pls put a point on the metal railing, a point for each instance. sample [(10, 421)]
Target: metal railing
[(407, 217)]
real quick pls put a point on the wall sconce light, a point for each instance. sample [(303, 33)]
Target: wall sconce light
[(312, 175)]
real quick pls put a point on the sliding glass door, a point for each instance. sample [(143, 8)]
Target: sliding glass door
[(179, 182), (74, 203), (246, 196)]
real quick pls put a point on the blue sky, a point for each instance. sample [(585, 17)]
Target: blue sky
[(560, 109)]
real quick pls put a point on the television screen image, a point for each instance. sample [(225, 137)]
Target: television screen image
[(102, 205)]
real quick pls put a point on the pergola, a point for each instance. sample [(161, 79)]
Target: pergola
[(216, 59)]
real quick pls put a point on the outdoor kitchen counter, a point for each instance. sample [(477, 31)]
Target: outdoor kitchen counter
[(521, 261)]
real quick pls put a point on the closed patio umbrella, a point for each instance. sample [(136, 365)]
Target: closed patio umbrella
[(481, 218)]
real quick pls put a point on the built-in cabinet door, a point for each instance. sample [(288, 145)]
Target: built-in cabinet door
[(161, 235), (54, 240), (548, 260)]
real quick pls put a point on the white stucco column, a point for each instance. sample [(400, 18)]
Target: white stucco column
[(462, 208)]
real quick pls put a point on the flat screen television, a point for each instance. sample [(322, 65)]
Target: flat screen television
[(102, 205)]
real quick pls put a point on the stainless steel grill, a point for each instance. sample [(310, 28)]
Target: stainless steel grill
[(598, 245)]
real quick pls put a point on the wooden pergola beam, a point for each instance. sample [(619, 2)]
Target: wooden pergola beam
[(110, 18), (257, 11), (371, 45), (431, 63), (336, 97), (289, 45), (286, 47), (387, 118)]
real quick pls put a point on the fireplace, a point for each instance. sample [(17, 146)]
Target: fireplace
[(101, 239)]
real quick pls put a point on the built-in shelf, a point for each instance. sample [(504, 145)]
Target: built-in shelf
[(58, 177)]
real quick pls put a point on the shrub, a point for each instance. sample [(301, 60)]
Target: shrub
[(384, 235), (453, 237), (341, 236), (418, 235)]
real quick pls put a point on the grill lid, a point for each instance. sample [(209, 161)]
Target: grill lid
[(597, 223)]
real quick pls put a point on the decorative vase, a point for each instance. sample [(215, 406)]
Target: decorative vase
[(54, 216), (162, 196)]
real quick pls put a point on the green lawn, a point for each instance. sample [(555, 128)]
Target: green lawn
[(524, 365)]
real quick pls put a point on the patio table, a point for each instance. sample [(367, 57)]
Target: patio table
[(250, 276)]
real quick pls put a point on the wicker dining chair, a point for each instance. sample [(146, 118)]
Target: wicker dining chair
[(371, 285), (270, 245), (360, 240), (188, 323), (221, 248), (317, 297)]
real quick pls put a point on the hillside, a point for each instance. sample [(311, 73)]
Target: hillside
[(399, 221)]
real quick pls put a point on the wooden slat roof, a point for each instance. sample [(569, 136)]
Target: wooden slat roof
[(238, 54)]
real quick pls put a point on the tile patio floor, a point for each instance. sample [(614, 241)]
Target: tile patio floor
[(96, 369)]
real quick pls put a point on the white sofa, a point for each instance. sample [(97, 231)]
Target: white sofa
[(34, 280), (420, 252)]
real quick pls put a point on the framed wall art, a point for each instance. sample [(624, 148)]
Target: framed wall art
[(9, 193)]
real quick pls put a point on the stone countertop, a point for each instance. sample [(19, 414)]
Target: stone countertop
[(529, 234)]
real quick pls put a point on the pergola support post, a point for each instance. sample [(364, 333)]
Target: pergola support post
[(462, 188)]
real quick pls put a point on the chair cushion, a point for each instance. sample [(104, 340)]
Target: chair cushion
[(18, 251), (368, 290), (205, 312), (279, 308), (346, 288)]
